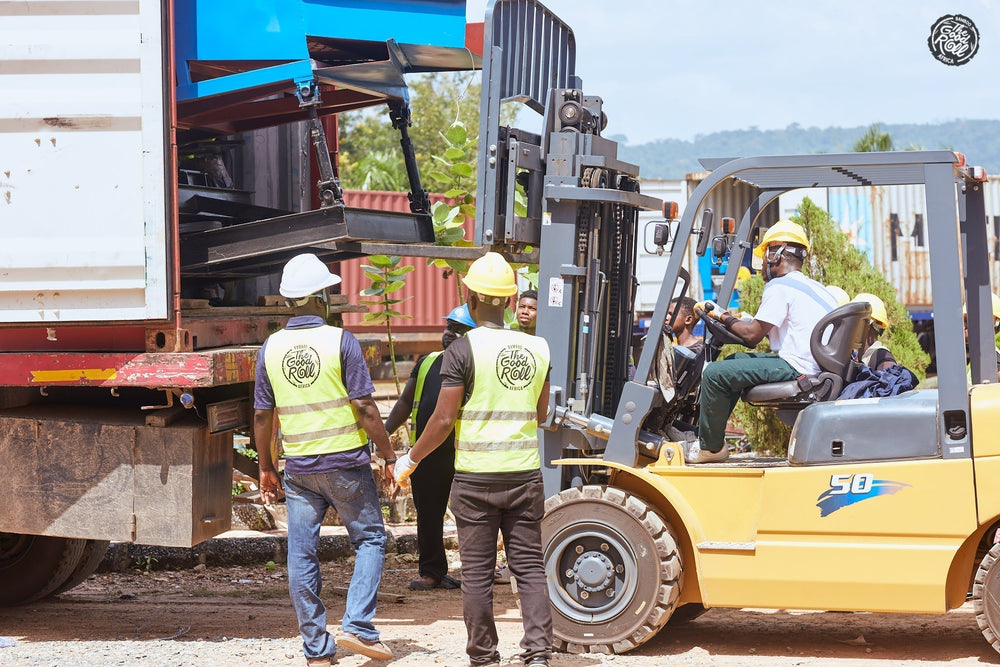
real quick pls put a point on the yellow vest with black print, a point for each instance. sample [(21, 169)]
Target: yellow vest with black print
[(418, 391), (497, 428), (315, 414)]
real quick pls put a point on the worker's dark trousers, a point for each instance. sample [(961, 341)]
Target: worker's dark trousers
[(723, 381), (515, 509), (431, 484)]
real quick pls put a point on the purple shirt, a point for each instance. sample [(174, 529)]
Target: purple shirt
[(357, 380)]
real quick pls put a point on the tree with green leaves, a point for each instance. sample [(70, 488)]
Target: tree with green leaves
[(387, 277), (437, 101), (874, 139), (833, 260), (456, 176)]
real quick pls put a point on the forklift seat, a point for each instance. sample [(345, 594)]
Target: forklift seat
[(834, 338)]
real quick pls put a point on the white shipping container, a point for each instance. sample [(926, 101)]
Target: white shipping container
[(83, 212), (650, 267)]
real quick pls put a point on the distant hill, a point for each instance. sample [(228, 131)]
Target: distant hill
[(673, 158)]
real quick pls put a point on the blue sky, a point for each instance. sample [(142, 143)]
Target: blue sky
[(668, 69)]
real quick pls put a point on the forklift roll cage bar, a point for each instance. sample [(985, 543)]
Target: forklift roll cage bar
[(957, 235)]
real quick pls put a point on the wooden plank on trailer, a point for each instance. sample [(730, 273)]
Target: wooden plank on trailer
[(81, 478), (165, 416), (183, 483), (278, 300)]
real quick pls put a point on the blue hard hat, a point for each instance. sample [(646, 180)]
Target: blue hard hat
[(460, 314)]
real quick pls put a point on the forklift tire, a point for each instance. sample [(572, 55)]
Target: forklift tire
[(613, 569), (93, 553), (33, 566), (986, 597)]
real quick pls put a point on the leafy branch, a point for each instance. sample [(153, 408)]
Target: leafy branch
[(387, 277), (455, 173)]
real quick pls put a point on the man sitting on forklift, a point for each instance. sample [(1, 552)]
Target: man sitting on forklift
[(790, 308)]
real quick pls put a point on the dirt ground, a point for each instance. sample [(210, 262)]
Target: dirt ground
[(242, 616)]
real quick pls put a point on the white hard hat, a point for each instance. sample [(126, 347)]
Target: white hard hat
[(305, 274)]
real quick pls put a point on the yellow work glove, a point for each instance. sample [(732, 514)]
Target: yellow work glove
[(403, 469)]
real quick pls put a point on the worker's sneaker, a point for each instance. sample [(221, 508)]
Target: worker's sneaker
[(677, 435), (319, 662), (693, 453), (375, 650), (501, 575)]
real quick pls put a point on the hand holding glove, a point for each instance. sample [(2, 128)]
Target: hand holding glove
[(403, 469)]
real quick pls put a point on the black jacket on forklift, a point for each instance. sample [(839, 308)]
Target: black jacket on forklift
[(889, 381)]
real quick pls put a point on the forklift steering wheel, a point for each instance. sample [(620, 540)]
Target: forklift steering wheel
[(720, 334)]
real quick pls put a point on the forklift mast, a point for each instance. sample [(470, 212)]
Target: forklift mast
[(580, 227)]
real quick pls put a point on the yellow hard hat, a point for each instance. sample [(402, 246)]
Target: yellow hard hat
[(839, 294), (996, 307), (879, 314), (783, 231), (491, 275), (742, 274)]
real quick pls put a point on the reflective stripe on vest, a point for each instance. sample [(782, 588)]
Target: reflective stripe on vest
[(497, 429), (418, 390), (316, 417)]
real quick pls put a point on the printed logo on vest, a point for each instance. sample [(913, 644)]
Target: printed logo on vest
[(301, 366), (515, 367)]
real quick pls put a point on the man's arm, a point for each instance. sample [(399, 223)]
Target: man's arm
[(371, 421), (752, 331), (441, 422), (403, 407), (263, 428), (542, 408)]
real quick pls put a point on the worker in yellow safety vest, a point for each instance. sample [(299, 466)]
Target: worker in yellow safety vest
[(314, 378), (432, 482), (494, 391)]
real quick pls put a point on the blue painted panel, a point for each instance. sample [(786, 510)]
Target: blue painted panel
[(852, 210), (425, 22), (259, 77), (247, 30), (269, 30)]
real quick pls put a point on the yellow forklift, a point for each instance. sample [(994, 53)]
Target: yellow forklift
[(854, 518)]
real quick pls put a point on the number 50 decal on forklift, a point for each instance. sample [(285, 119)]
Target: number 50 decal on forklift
[(853, 488)]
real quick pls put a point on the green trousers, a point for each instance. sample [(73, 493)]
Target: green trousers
[(723, 381)]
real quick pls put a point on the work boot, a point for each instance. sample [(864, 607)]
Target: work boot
[(693, 453), (375, 650)]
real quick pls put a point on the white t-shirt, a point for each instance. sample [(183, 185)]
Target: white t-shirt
[(793, 305)]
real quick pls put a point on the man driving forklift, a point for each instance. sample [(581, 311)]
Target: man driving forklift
[(790, 308)]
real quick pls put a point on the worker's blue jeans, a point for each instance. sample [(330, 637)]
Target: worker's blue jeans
[(352, 493), (723, 381)]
